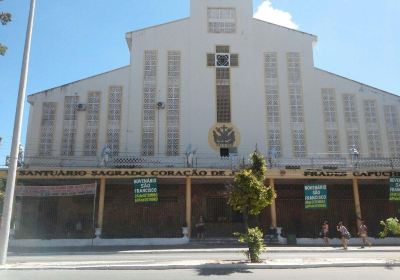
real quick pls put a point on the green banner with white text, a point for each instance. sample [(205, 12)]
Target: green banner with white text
[(394, 185), (145, 189), (315, 196)]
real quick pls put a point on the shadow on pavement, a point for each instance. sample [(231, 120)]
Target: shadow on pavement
[(207, 271)]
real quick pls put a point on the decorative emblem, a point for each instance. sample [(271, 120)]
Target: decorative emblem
[(223, 135)]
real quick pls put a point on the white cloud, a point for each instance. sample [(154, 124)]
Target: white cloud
[(268, 13)]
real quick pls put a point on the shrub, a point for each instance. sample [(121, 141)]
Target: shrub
[(255, 241), (391, 225)]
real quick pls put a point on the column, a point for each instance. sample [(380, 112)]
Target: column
[(357, 202), (273, 205), (189, 204), (101, 205)]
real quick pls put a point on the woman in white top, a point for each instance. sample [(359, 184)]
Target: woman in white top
[(344, 234)]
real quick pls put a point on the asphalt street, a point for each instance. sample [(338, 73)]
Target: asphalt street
[(363, 273)]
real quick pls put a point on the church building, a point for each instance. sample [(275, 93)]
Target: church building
[(197, 97)]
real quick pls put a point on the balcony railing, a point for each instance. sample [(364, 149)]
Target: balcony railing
[(321, 161)]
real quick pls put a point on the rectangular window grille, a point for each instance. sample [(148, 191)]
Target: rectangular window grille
[(234, 60), (329, 105), (222, 49), (295, 87), (149, 101), (392, 130), (69, 125), (373, 131), (223, 103), (299, 145), (92, 123), (221, 20), (173, 103), (332, 136), (351, 119), (210, 59), (374, 143), (353, 139), (272, 102), (48, 126), (114, 119), (350, 109), (330, 118)]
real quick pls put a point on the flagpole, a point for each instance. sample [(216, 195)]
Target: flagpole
[(12, 168)]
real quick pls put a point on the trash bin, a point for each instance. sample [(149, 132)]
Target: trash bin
[(291, 239)]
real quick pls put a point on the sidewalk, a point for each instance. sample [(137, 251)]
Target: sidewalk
[(269, 261)]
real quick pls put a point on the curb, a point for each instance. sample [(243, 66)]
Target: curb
[(216, 250), (241, 266)]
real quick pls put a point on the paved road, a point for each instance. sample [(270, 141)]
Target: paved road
[(209, 274), (172, 256)]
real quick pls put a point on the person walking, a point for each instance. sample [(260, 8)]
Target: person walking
[(344, 234), (363, 233), (325, 232)]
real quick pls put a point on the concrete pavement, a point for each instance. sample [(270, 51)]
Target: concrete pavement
[(207, 258)]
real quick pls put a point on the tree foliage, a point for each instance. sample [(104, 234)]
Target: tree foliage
[(5, 18), (249, 195), (391, 225)]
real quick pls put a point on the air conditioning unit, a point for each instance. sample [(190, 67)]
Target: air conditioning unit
[(81, 107), (160, 105)]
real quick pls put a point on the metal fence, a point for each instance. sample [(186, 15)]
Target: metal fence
[(319, 161)]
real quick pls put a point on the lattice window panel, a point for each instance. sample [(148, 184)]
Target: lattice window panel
[(294, 68), (329, 105), (48, 126), (350, 109), (351, 120), (223, 104), (373, 131), (173, 103), (295, 87), (371, 114), (353, 139), (92, 124), (221, 20), (374, 143), (274, 140), (392, 129), (149, 100), (298, 143), (296, 108), (330, 118), (69, 125), (114, 119), (272, 101), (332, 140)]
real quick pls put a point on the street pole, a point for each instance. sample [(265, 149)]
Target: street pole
[(12, 168)]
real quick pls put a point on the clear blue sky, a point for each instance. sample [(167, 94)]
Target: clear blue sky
[(358, 39)]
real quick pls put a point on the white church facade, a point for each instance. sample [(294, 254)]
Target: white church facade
[(201, 93)]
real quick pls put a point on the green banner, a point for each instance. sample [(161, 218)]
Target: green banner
[(394, 185), (145, 189), (315, 196)]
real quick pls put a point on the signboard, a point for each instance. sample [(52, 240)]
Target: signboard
[(64, 190), (394, 185), (315, 196), (145, 189)]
